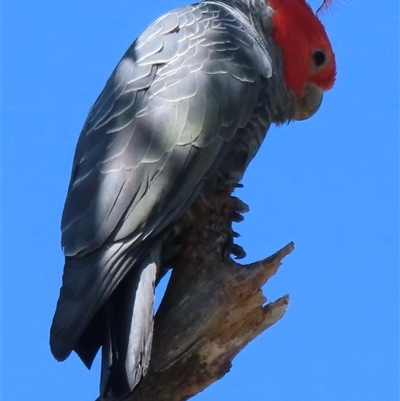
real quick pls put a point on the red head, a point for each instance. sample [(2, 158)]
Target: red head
[(307, 53)]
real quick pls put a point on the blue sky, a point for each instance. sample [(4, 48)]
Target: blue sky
[(330, 184)]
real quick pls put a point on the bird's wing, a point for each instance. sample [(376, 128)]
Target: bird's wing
[(161, 125), (177, 96)]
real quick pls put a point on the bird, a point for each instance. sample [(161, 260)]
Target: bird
[(181, 116)]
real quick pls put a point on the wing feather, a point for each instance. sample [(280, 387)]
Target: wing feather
[(165, 118)]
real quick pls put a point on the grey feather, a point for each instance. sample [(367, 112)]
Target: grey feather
[(188, 101), (126, 349)]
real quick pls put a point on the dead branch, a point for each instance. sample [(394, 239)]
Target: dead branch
[(212, 308)]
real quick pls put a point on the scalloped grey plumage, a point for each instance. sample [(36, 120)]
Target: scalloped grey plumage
[(184, 111)]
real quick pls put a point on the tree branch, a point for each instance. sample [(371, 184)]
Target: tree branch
[(212, 308)]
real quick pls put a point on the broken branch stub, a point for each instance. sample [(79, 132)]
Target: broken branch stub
[(212, 308)]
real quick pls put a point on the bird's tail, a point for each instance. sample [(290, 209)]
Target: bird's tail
[(129, 330)]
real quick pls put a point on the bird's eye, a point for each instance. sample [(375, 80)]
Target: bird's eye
[(319, 58)]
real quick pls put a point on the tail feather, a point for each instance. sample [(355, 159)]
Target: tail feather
[(92, 339), (87, 284), (129, 330)]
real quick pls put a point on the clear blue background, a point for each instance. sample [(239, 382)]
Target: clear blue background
[(330, 184)]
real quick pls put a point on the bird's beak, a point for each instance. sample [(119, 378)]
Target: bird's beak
[(308, 104)]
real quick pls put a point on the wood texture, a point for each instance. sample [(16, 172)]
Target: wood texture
[(212, 308)]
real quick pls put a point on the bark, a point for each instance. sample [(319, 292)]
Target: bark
[(212, 308)]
